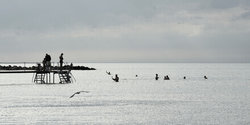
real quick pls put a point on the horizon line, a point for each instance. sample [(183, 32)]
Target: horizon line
[(33, 62)]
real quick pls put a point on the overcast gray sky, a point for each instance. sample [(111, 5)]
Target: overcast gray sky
[(125, 30)]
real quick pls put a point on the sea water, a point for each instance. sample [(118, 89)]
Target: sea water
[(222, 99)]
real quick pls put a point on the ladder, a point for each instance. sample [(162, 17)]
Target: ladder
[(64, 77), (39, 78)]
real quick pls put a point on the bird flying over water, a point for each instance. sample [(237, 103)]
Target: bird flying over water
[(108, 73), (78, 93)]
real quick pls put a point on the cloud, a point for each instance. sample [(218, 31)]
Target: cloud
[(141, 30), (245, 15)]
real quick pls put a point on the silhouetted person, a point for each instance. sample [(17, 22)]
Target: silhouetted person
[(44, 64), (47, 61), (39, 68), (116, 79), (61, 61), (184, 77), (205, 77), (48, 58), (166, 77), (156, 77), (136, 75)]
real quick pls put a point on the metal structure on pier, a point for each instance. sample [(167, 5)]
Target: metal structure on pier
[(46, 75)]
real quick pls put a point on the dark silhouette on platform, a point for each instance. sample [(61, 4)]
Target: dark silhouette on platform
[(78, 93), (47, 62), (44, 63), (116, 79), (39, 67), (166, 77), (184, 77), (156, 77), (61, 60)]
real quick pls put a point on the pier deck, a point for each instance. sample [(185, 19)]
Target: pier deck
[(32, 71), (18, 71), (44, 77)]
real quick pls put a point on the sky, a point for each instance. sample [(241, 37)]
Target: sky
[(125, 30)]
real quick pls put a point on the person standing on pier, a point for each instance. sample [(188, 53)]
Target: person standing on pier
[(44, 64), (61, 61), (48, 61)]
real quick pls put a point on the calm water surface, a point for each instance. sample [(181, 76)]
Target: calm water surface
[(222, 99)]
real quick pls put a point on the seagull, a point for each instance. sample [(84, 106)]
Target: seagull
[(108, 73), (78, 93)]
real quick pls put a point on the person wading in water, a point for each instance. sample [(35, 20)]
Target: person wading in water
[(116, 79)]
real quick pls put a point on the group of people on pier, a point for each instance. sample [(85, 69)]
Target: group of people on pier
[(47, 62)]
